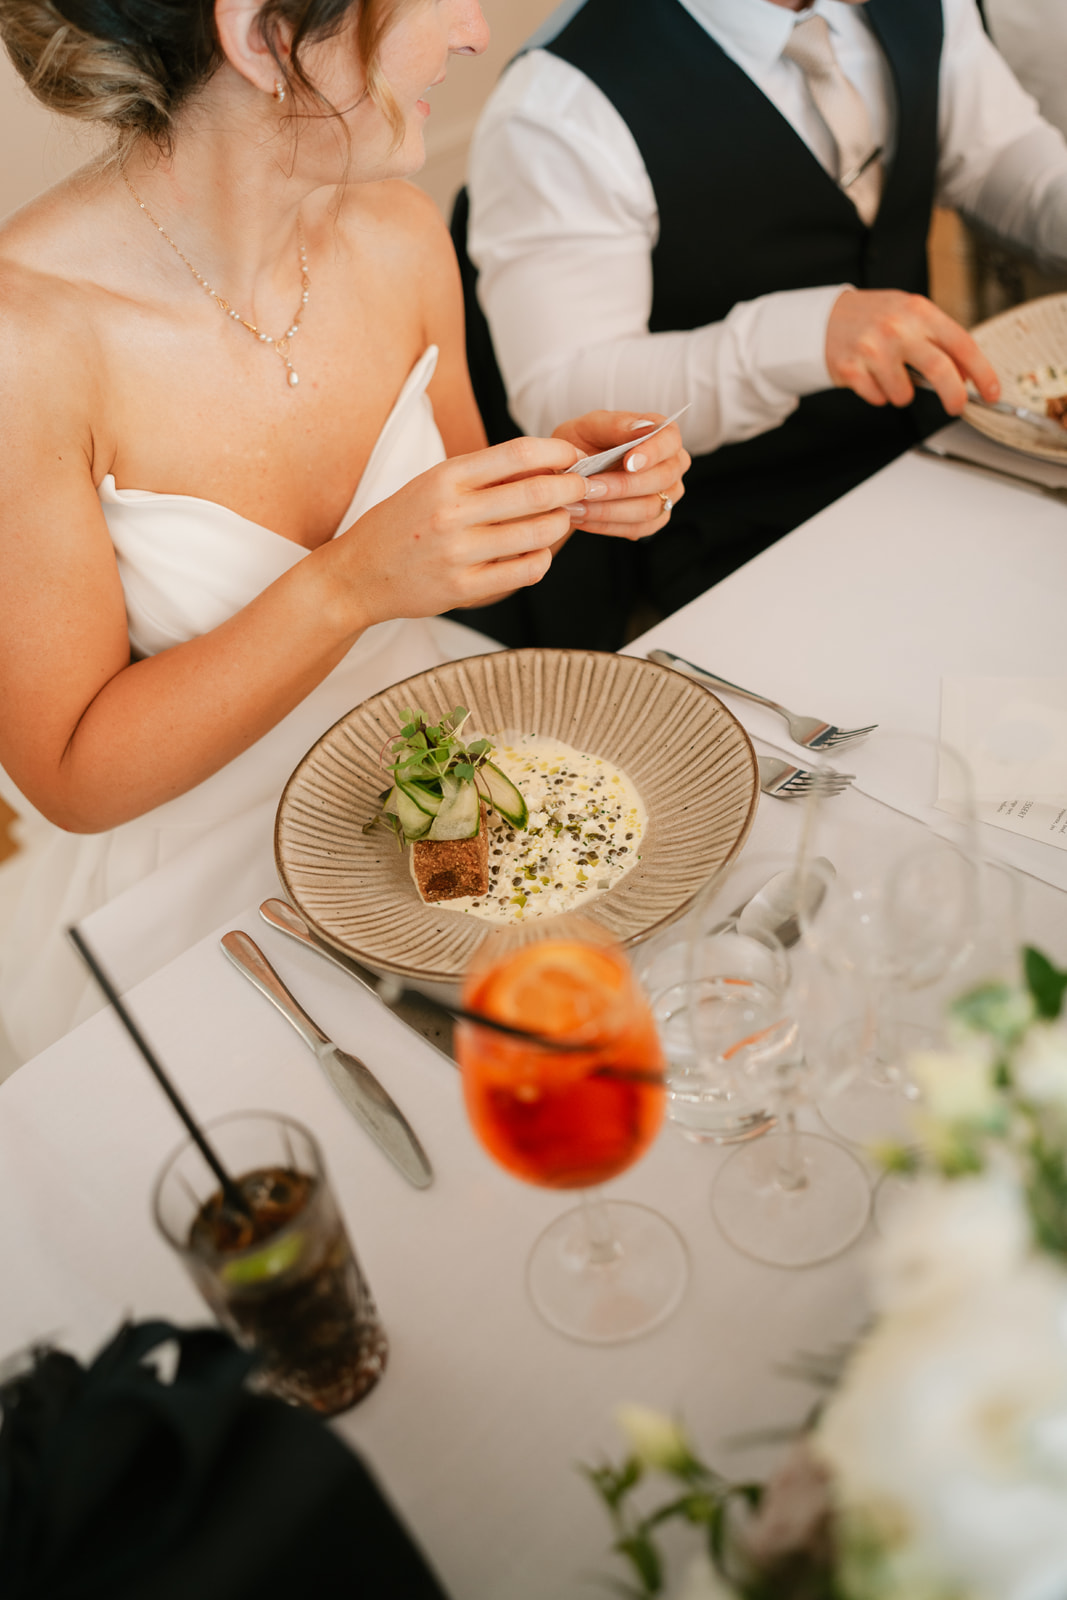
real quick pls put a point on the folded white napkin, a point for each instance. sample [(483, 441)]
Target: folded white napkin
[(965, 442), (1013, 733)]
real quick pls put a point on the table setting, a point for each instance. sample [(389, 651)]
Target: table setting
[(870, 618)]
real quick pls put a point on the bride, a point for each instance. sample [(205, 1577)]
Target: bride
[(241, 446)]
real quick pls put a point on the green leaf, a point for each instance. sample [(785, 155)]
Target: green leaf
[(1047, 1196), (611, 1484), (644, 1558), (1045, 982), (998, 1009)]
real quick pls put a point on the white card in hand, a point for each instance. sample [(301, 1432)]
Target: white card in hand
[(608, 458)]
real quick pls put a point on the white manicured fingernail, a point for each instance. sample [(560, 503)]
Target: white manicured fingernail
[(576, 511), (595, 487), (646, 422), (636, 462)]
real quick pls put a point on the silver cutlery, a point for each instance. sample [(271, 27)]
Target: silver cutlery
[(786, 902), (783, 904), (1003, 408), (808, 731), (1055, 491), (411, 1005), (357, 1086), (426, 1017), (783, 780)]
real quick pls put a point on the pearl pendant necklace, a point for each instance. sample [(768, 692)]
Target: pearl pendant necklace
[(279, 345)]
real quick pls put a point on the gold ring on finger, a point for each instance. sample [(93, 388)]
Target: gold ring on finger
[(668, 503)]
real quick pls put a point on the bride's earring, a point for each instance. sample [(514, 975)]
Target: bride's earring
[(279, 91)]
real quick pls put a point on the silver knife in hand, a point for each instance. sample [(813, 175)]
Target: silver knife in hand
[(354, 1082)]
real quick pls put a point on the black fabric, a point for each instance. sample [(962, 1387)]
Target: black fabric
[(745, 209), (116, 1486), (481, 358)]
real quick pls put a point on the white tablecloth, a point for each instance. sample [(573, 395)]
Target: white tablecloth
[(924, 571), (484, 1412)]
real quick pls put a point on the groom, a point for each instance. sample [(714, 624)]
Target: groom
[(726, 203)]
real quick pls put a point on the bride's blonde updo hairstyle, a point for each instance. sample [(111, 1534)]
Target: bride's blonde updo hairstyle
[(134, 63)]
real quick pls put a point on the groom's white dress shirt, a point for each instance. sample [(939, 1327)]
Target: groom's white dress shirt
[(1032, 37), (564, 221)]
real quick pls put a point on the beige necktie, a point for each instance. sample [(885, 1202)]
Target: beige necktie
[(859, 171)]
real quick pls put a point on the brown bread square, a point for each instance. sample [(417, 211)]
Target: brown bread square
[(445, 869)]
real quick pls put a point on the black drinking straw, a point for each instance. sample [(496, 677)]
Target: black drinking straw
[(231, 1193)]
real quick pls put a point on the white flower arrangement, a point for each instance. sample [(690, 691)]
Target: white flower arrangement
[(937, 1469)]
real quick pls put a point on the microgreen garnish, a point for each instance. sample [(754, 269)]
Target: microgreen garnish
[(440, 780), (425, 750)]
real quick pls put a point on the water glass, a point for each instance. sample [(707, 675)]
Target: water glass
[(715, 999)]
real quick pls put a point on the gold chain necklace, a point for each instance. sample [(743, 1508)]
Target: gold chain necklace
[(279, 345)]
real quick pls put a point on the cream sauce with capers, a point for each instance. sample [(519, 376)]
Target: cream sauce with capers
[(584, 833)]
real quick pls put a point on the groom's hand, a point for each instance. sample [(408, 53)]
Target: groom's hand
[(874, 335)]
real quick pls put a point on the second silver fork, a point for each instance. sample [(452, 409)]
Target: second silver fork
[(783, 780), (808, 731)]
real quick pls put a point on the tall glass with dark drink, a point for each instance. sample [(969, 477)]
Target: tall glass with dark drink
[(283, 1279)]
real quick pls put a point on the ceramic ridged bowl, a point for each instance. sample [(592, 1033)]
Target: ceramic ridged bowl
[(691, 761), (1028, 347)]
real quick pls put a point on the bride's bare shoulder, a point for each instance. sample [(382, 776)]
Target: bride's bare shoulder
[(396, 219), (52, 254), (51, 282)]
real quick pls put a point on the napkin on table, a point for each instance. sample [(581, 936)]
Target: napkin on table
[(1013, 734), (959, 439)]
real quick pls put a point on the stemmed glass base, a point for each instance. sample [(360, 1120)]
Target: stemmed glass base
[(791, 1199), (893, 1189), (874, 1103), (607, 1271)]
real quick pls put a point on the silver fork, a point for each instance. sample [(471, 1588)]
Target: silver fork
[(783, 780), (808, 731)]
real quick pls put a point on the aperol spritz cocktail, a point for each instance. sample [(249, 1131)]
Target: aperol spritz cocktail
[(567, 1119), (571, 1118)]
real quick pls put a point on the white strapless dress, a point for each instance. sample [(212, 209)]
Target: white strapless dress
[(186, 565)]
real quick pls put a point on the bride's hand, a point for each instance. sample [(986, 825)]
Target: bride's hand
[(631, 505), (466, 532)]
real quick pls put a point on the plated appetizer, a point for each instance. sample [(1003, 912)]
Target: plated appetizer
[(441, 790), (528, 828)]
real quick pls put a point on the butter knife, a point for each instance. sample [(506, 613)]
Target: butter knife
[(355, 1083), (428, 1018)]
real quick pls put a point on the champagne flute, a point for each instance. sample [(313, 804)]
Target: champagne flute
[(572, 1118)]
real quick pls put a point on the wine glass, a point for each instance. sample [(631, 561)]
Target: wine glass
[(898, 916), (791, 1198), (571, 1117), (992, 956), (737, 1017)]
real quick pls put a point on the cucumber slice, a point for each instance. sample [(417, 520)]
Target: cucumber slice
[(414, 821), (389, 803), (421, 796), (503, 795), (459, 816)]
